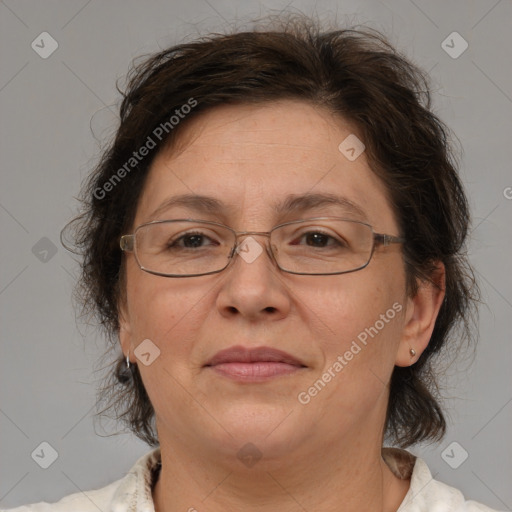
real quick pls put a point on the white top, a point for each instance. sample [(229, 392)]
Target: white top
[(133, 492)]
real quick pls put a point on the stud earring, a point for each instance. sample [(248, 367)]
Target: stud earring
[(412, 352)]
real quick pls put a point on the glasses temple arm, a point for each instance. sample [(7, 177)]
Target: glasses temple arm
[(127, 242), (388, 239)]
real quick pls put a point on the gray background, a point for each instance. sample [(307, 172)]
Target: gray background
[(48, 107)]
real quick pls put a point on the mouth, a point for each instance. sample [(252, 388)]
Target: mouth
[(254, 365)]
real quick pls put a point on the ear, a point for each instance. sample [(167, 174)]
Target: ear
[(420, 317), (125, 329)]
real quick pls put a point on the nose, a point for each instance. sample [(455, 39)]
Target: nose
[(252, 285)]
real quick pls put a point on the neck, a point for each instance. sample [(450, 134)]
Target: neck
[(353, 477)]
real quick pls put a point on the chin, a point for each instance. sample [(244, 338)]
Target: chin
[(271, 428), (250, 449)]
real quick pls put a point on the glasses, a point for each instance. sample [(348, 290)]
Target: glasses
[(318, 246)]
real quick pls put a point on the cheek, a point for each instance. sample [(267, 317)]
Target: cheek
[(168, 313), (356, 324), (344, 306), (358, 334)]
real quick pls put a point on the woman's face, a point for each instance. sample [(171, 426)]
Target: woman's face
[(346, 330)]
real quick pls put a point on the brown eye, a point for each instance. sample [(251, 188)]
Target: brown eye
[(191, 241), (317, 239)]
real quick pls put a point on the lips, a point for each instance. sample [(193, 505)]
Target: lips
[(240, 354), (254, 365)]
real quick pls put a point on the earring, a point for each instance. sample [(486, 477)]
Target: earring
[(128, 361), (412, 352)]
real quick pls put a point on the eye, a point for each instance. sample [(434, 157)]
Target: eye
[(191, 240), (319, 239)]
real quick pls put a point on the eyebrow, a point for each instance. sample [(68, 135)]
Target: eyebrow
[(292, 204), (300, 203)]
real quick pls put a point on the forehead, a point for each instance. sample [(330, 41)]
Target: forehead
[(254, 159)]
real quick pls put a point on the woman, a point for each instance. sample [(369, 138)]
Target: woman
[(276, 241)]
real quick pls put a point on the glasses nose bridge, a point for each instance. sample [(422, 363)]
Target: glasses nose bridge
[(245, 234)]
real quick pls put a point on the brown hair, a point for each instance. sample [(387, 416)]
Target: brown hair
[(354, 73)]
